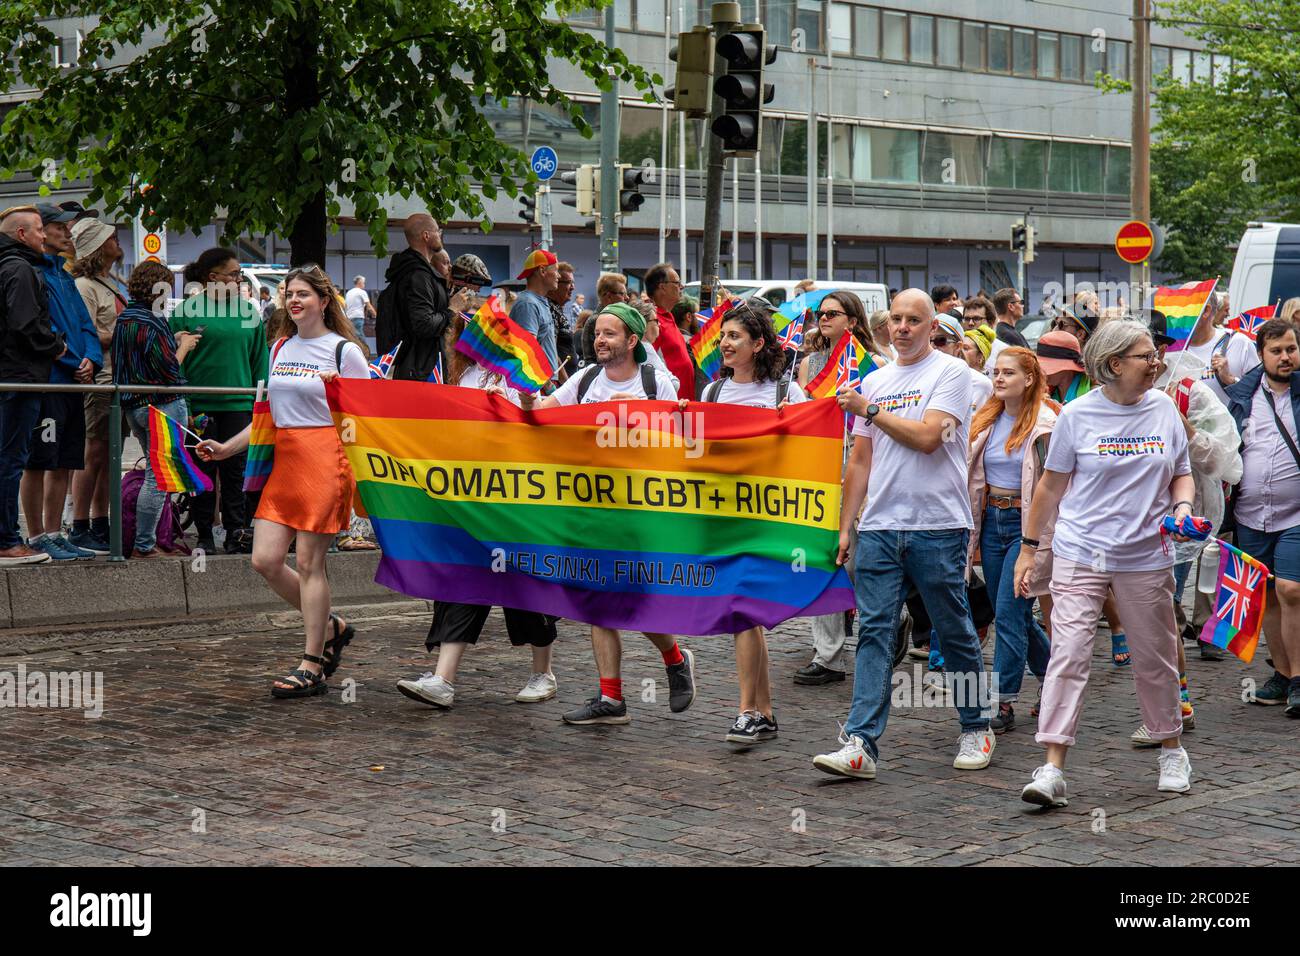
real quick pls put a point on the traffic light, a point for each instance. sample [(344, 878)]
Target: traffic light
[(742, 89), (1019, 237), (529, 211), (1029, 243), (692, 90), (630, 179), (586, 198)]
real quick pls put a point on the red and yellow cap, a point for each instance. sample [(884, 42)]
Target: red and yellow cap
[(536, 260)]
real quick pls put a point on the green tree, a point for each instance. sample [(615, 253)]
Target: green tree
[(266, 113), (1225, 153)]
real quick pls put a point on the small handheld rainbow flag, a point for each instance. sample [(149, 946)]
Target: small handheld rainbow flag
[(1182, 307), (498, 344), (384, 367), (848, 364), (706, 344), (1248, 322), (1238, 604), (173, 468)]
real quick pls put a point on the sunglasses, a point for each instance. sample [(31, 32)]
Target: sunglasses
[(828, 314), (940, 341)]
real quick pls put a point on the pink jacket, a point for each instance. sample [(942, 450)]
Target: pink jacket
[(1030, 472)]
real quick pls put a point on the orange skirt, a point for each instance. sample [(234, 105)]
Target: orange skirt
[(310, 486)]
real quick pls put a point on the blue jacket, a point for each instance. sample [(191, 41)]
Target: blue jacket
[(68, 315), (1241, 395)]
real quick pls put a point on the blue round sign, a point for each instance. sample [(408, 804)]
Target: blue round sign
[(544, 162)]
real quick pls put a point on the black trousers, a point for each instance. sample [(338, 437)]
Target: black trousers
[(463, 623), (227, 474)]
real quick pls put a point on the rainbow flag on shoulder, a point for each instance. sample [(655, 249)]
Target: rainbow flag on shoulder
[(502, 346), (1182, 307), (1238, 604), (1248, 322), (173, 468), (848, 364)]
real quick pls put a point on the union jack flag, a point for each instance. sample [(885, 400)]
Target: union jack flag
[(1236, 589), (384, 367), (791, 337), (1248, 322), (436, 375)]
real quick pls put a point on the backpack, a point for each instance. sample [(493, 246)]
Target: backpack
[(647, 381), (169, 534), (388, 324), (713, 388)]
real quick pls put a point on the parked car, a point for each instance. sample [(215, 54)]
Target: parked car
[(873, 295), (1267, 267)]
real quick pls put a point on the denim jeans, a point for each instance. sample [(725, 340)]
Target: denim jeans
[(934, 562), (1018, 634), (19, 412), (148, 507)]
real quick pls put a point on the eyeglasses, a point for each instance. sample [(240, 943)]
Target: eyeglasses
[(1150, 358), (1062, 325), (676, 282), (828, 314)]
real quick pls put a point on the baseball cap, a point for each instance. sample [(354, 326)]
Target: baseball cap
[(949, 325), (537, 259), (1159, 327), (82, 212), (52, 213), (635, 323)]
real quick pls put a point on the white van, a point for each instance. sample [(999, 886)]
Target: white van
[(873, 295), (1267, 268)]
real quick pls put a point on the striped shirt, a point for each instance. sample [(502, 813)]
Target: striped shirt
[(144, 353)]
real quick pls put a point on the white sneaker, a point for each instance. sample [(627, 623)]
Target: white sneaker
[(428, 689), (539, 687), (1175, 770), (1047, 789), (851, 760), (1142, 738), (975, 750)]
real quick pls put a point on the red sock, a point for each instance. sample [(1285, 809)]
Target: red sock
[(611, 687), (673, 655)]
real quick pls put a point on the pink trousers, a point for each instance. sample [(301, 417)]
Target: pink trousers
[(1146, 605)]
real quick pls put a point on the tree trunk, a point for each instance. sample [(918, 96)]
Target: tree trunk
[(302, 89), (307, 238)]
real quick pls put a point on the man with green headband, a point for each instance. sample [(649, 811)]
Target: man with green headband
[(623, 373)]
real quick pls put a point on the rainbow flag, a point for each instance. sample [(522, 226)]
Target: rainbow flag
[(1238, 605), (1248, 322), (476, 501), (498, 344), (706, 344), (848, 364), (384, 367), (173, 468), (261, 447), (1182, 307)]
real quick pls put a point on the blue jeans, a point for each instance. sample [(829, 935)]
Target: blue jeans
[(19, 412), (1181, 573), (1018, 634), (148, 507), (888, 563)]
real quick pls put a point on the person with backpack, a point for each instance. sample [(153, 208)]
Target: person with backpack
[(307, 498), (753, 363), (145, 351), (622, 373), (415, 307)]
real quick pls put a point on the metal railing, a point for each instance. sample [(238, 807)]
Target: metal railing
[(115, 433)]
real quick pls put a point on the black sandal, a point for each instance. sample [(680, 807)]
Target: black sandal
[(307, 684), (333, 650)]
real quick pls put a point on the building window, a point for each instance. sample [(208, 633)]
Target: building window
[(866, 21), (922, 39), (952, 160), (623, 14), (886, 155), (1017, 164), (1117, 59), (1094, 58), (1200, 66), (972, 46), (780, 27), (895, 34), (1075, 168), (841, 28), (999, 49), (1023, 59), (1222, 67), (948, 42), (1182, 65), (1071, 57), (1117, 170), (1159, 60), (1048, 46), (808, 17)]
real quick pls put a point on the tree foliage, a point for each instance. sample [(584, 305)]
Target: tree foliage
[(266, 114)]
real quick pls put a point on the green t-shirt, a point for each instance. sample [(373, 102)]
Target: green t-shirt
[(232, 354)]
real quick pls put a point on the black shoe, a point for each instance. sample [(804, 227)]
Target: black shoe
[(1276, 690), (815, 673), (1293, 700), (1211, 653), (206, 544), (239, 541), (681, 683), (599, 711), (1191, 636), (1004, 721), (751, 728)]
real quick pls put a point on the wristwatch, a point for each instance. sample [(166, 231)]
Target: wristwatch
[(872, 411)]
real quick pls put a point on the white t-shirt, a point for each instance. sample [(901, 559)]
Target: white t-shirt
[(295, 388), (602, 387), (355, 303), (756, 394), (1195, 362), (1122, 458), (476, 376), (981, 388), (657, 360), (908, 490)]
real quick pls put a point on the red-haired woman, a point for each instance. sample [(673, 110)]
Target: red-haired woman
[(1008, 445)]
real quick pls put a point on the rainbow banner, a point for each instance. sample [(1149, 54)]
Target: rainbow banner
[(848, 363), (502, 346), (1182, 307), (706, 344), (1238, 604), (173, 468), (1248, 322), (632, 515), (261, 447)]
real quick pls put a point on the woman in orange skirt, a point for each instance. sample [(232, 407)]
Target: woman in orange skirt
[(308, 496)]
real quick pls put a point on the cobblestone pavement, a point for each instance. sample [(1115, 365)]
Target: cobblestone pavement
[(192, 762)]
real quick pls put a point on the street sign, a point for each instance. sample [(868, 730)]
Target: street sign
[(1134, 242), (152, 243), (544, 162)]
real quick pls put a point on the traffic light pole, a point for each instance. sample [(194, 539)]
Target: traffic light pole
[(544, 211), (609, 178), (726, 17)]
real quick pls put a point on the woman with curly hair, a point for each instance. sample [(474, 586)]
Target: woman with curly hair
[(753, 364)]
